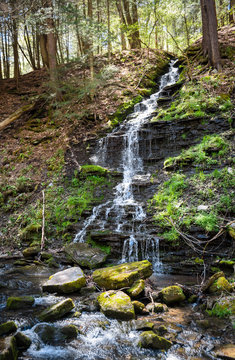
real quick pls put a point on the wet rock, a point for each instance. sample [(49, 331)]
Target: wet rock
[(123, 275), (51, 262), (143, 325), (52, 335), (136, 289), (220, 285), (21, 262), (139, 308), (211, 280), (7, 328), (66, 281), (56, 311), (85, 256), (8, 349), (156, 307), (192, 299), (15, 303), (226, 352), (31, 252), (116, 304), (148, 339), (23, 342), (172, 295), (162, 329)]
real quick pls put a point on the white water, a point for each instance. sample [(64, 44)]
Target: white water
[(139, 242)]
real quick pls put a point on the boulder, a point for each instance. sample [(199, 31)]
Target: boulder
[(56, 311), (31, 252), (136, 289), (8, 349), (220, 285), (172, 294), (123, 275), (84, 255), (23, 342), (66, 281), (211, 280), (156, 307), (143, 325), (139, 308), (116, 304), (16, 303), (52, 335), (148, 339), (7, 328)]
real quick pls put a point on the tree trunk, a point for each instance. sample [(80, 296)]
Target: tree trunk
[(136, 33), (210, 35), (91, 56), (43, 48), (109, 38), (232, 12), (123, 24), (16, 53)]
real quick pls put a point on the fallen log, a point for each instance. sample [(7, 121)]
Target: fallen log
[(16, 115)]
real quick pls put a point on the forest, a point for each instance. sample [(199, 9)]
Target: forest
[(117, 230)]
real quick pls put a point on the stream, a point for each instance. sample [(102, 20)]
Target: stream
[(101, 338)]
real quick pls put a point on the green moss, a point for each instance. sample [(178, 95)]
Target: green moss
[(116, 305), (148, 339), (221, 284), (93, 170), (7, 328), (56, 311), (136, 289), (172, 294), (15, 303), (124, 110)]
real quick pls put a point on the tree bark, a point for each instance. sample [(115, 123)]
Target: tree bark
[(232, 12), (123, 24), (109, 38), (136, 33)]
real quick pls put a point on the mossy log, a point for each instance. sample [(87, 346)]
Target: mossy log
[(16, 115)]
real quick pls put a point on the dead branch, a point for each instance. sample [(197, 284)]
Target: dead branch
[(16, 115)]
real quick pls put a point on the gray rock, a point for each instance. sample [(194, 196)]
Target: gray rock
[(85, 256), (56, 311), (66, 281)]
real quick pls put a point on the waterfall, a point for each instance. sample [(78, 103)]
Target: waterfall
[(139, 244)]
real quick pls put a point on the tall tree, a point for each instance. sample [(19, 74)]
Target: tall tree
[(210, 41)]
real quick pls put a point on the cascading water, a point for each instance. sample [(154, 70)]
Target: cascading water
[(139, 243)]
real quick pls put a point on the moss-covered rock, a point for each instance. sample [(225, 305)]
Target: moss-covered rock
[(8, 349), (148, 339), (31, 252), (53, 335), (66, 281), (156, 307), (172, 294), (227, 264), (7, 328), (220, 285), (93, 170), (56, 311), (139, 308), (143, 325), (84, 255), (15, 303), (231, 230), (211, 280), (123, 275), (136, 289), (116, 304), (23, 342)]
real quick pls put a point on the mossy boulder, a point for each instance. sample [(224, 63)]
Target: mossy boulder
[(56, 311), (8, 349), (148, 339), (139, 308), (117, 305), (136, 289), (7, 328), (16, 303), (31, 252), (53, 335), (156, 307), (142, 325), (219, 285), (84, 255), (123, 275), (211, 280), (231, 230), (172, 295), (66, 281), (227, 264), (23, 342)]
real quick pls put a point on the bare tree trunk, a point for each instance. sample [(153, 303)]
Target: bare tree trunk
[(15, 52), (123, 24), (43, 48), (135, 19), (91, 55), (232, 12), (109, 39), (210, 32)]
